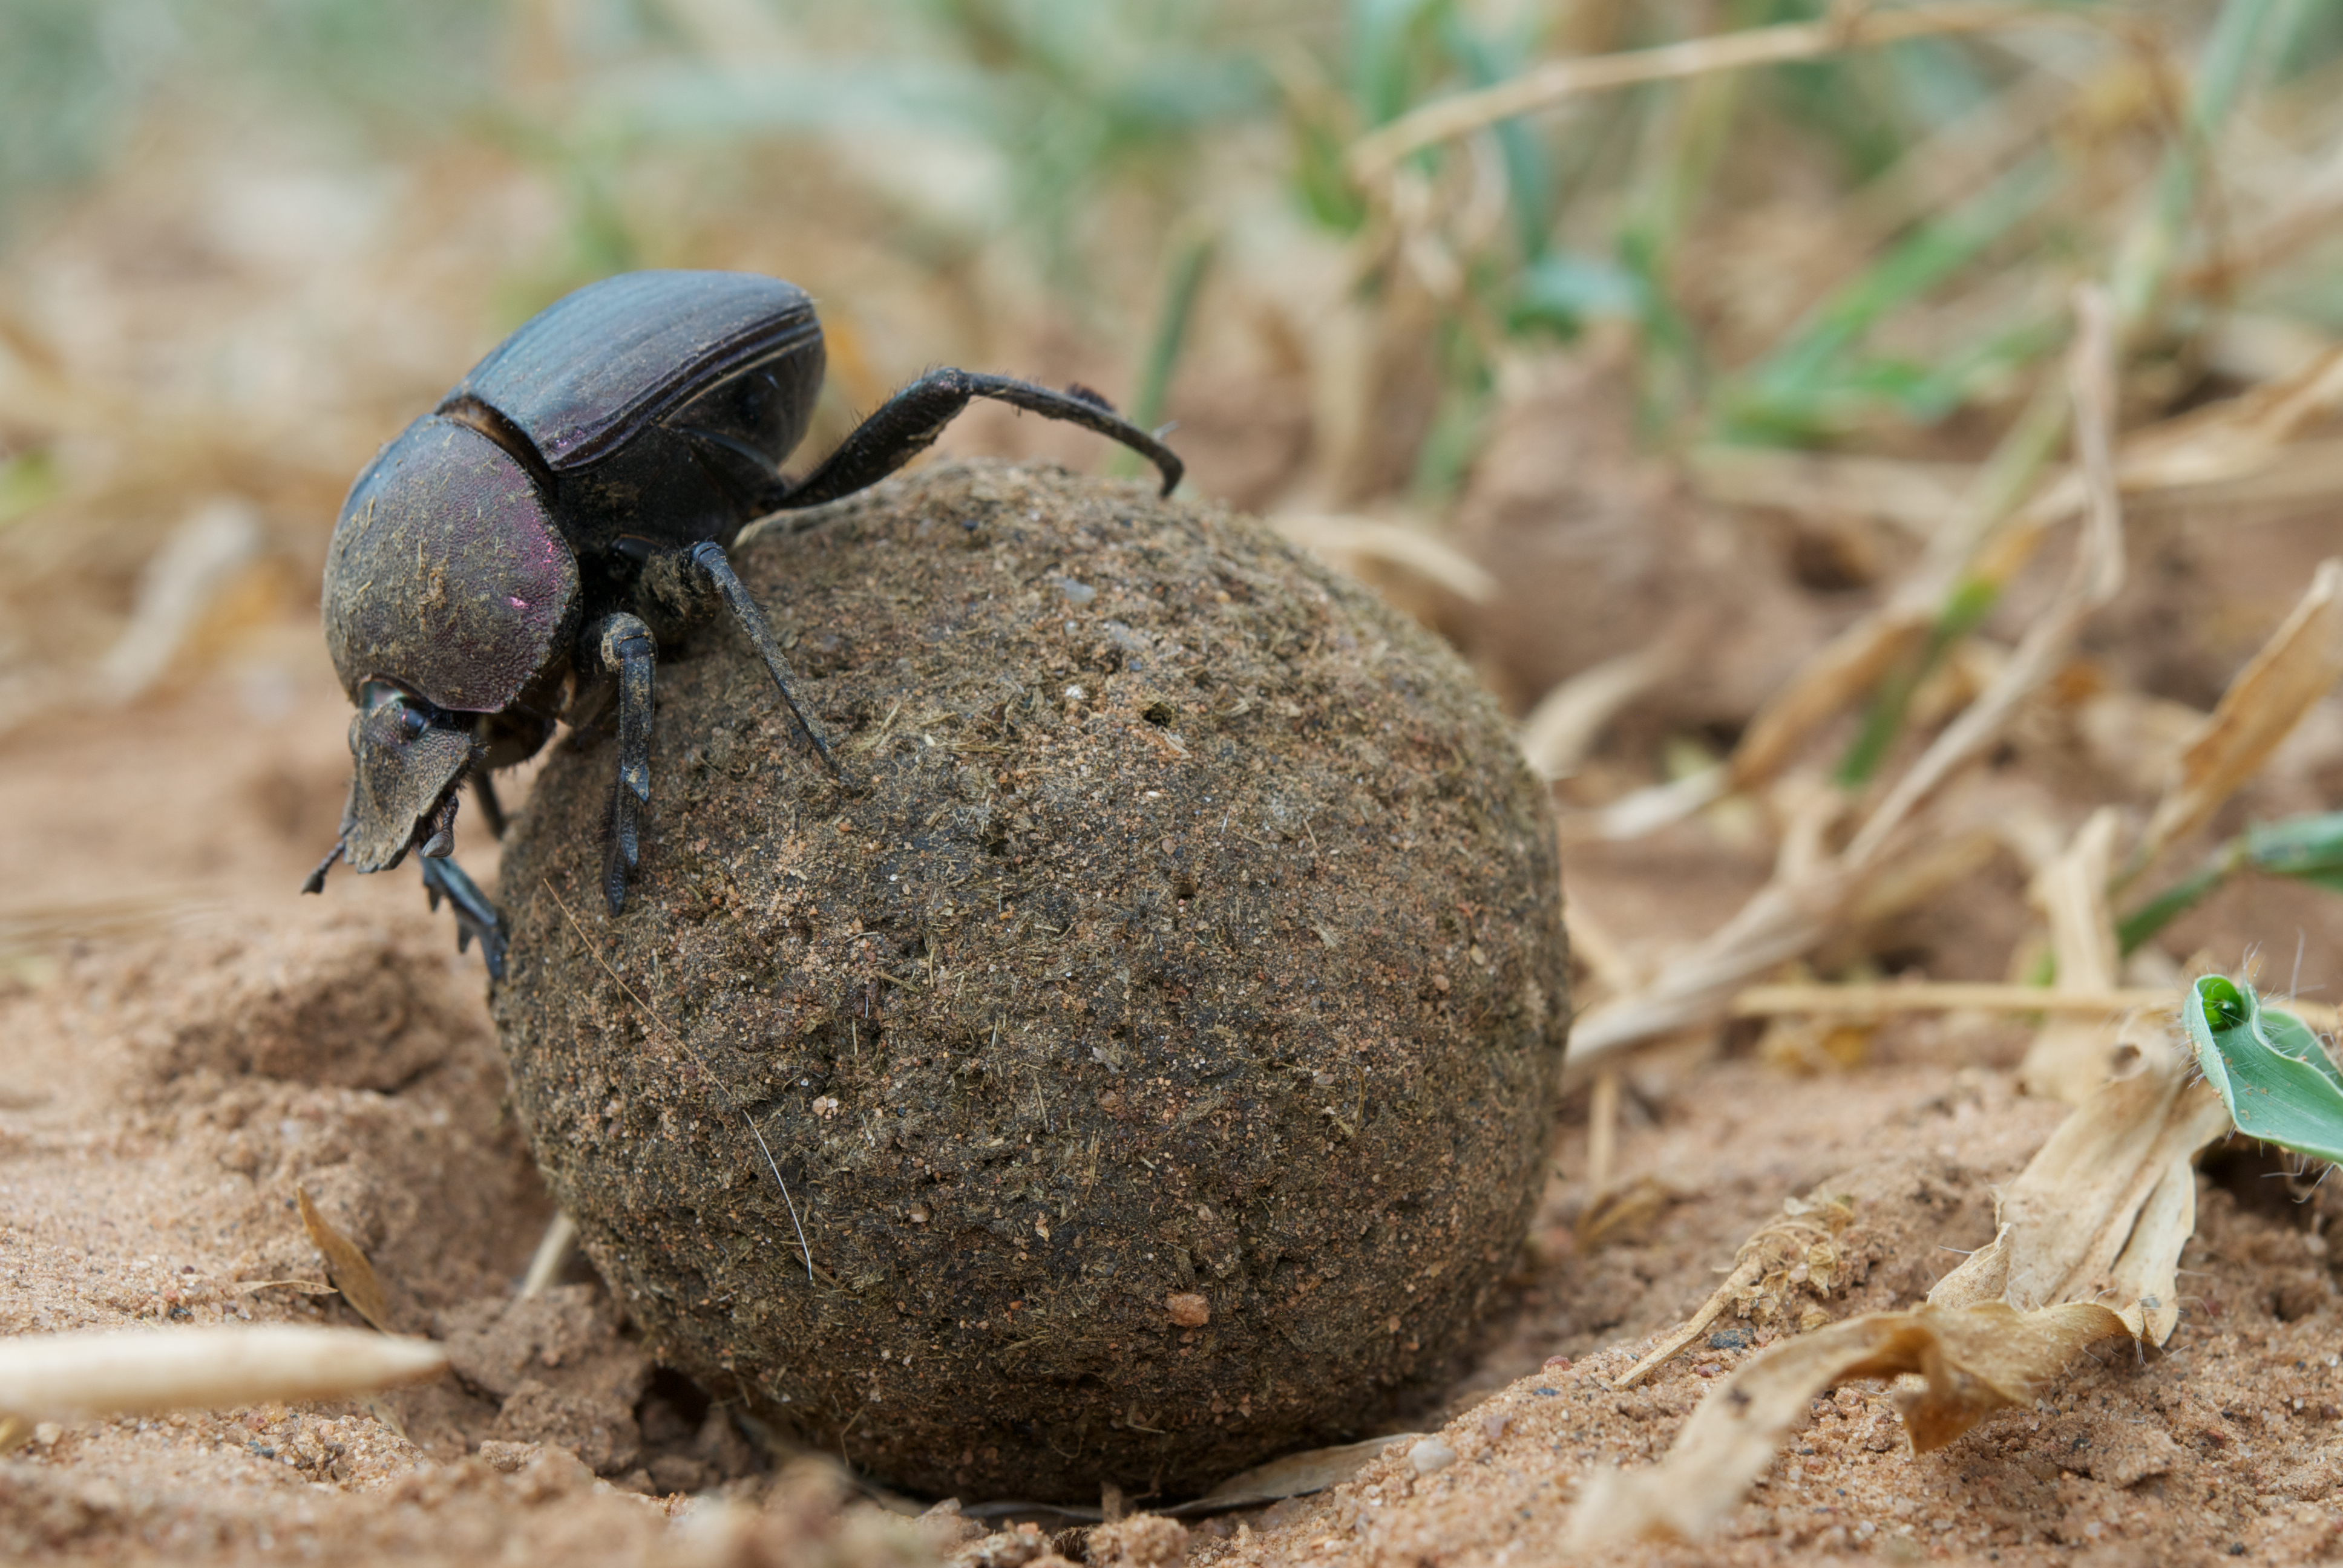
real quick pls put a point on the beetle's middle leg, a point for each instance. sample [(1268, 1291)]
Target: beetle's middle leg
[(709, 558), (628, 652)]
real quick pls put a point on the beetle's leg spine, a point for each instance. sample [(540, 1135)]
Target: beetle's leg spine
[(709, 558), (631, 653)]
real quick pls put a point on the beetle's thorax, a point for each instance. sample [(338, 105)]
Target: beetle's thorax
[(446, 574)]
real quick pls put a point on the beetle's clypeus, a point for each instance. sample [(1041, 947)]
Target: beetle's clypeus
[(502, 565)]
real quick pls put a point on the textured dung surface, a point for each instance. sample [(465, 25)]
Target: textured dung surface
[(1156, 1030)]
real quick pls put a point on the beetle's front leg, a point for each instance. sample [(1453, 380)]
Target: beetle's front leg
[(628, 652), (476, 915), (709, 558)]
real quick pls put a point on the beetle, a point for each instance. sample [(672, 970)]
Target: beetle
[(515, 557)]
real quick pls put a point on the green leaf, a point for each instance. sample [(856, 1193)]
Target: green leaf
[(2270, 1069)]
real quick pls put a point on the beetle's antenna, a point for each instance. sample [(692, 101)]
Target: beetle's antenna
[(316, 881), (762, 1147)]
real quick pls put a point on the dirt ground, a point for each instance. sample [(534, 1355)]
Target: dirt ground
[(189, 1043)]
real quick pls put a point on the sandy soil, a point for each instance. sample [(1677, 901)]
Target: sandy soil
[(188, 1042)]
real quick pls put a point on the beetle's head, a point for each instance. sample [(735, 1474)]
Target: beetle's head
[(411, 759)]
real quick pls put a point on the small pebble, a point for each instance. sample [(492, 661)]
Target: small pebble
[(1431, 1455), (1557, 1363)]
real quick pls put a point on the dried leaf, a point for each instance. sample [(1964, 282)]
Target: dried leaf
[(2297, 665), (1976, 1360), (2088, 1215), (49, 1376), (2102, 1211), (346, 1265)]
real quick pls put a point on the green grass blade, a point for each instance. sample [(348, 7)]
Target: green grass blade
[(1788, 379), (2307, 849), (1191, 258), (2270, 1068)]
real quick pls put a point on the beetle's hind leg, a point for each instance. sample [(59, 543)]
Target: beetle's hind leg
[(628, 652), (908, 423), (475, 915), (709, 558)]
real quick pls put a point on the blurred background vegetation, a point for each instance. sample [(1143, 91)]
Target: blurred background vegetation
[(1516, 373)]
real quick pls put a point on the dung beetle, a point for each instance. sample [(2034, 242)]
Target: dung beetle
[(517, 554)]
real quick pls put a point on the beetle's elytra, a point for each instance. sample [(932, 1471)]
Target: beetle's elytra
[(500, 565)]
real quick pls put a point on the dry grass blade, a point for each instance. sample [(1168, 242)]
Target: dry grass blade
[(346, 1264), (136, 914), (554, 1251), (2069, 1057), (1809, 894), (2297, 665), (1347, 541), (1912, 497), (1563, 728), (2096, 575), (55, 1376), (1846, 667), (1373, 155), (2227, 444), (1950, 995), (1936, 996), (1649, 810)]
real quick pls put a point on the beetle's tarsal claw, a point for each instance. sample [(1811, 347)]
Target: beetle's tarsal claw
[(475, 915)]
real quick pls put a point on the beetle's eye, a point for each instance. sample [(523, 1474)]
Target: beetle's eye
[(411, 721)]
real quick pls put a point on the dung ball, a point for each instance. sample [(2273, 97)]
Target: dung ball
[(1135, 1062)]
